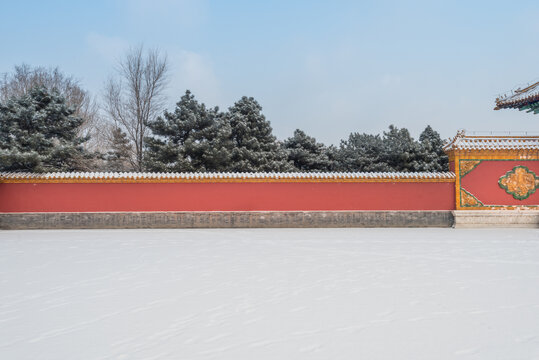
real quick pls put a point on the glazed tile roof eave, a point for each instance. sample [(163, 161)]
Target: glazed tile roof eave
[(221, 175), (518, 103), (493, 143), (520, 98)]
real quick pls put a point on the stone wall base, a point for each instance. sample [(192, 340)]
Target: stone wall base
[(262, 219), (496, 218), (271, 219)]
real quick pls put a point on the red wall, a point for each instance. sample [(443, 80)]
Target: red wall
[(482, 182), (54, 197)]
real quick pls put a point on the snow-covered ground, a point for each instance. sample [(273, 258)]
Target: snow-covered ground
[(270, 294)]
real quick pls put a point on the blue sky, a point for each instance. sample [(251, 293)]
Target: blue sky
[(327, 67)]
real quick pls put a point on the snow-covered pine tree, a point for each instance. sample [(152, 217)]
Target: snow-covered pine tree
[(119, 156), (400, 151), (254, 146), (210, 148), (192, 138), (361, 152), (38, 132), (332, 153), (24, 78), (432, 156), (305, 153)]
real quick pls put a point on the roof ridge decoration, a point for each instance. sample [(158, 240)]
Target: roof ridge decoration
[(460, 133), (465, 142), (222, 176), (522, 99)]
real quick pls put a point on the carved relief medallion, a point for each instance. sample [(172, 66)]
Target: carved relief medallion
[(520, 182)]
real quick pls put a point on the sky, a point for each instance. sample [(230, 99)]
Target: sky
[(327, 67)]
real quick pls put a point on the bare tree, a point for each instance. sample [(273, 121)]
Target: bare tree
[(24, 78), (136, 95)]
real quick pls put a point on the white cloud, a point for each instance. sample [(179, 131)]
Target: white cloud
[(188, 70), (108, 48), (194, 72), (391, 80)]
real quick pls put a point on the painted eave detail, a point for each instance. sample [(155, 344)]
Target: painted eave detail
[(519, 98)]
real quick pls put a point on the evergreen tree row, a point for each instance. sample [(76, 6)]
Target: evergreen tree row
[(195, 138), (39, 132)]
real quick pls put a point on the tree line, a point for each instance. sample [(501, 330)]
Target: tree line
[(49, 123)]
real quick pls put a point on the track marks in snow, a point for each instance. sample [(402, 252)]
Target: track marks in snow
[(265, 294)]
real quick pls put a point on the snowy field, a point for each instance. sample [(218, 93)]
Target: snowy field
[(270, 294)]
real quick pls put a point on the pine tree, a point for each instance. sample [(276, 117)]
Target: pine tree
[(254, 146), (361, 152), (432, 156), (306, 154), (395, 151), (38, 132), (400, 151), (24, 78), (119, 157), (210, 148), (332, 152), (192, 138)]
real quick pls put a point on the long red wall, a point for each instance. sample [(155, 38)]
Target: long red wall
[(271, 196)]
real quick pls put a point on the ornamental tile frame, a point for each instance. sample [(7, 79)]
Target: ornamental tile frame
[(466, 152), (466, 166), (465, 200), (468, 200), (520, 182)]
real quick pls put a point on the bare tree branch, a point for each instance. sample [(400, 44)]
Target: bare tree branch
[(136, 95)]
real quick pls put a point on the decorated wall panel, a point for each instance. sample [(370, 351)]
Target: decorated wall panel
[(498, 183)]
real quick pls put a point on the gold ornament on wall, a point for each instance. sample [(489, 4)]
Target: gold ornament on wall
[(520, 182), (468, 200), (467, 165)]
